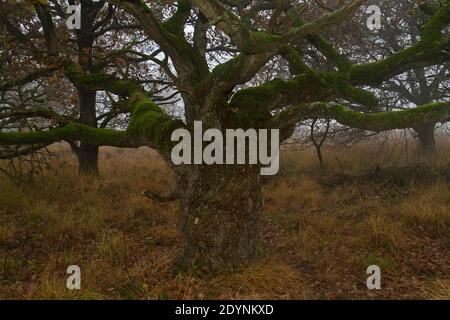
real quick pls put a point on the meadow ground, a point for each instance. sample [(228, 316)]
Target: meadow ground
[(321, 231)]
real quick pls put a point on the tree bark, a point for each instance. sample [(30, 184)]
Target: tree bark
[(426, 139), (221, 214), (88, 154)]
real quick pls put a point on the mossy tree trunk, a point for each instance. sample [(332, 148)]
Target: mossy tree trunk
[(88, 160), (220, 221), (426, 132), (87, 153), (427, 140)]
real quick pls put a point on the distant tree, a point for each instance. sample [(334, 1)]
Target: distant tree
[(101, 44), (401, 26), (318, 140)]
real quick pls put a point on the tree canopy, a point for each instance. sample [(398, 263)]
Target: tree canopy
[(182, 37)]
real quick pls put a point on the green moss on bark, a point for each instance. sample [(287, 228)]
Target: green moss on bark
[(382, 121), (71, 132), (150, 125), (88, 81), (430, 49)]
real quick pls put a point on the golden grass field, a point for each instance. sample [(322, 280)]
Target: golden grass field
[(321, 231)]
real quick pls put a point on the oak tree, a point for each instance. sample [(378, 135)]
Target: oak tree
[(212, 53)]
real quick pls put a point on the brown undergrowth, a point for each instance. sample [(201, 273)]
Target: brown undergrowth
[(321, 232)]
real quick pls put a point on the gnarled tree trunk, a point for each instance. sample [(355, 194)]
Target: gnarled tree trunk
[(221, 216)]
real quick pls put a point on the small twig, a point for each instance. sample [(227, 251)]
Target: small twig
[(159, 198)]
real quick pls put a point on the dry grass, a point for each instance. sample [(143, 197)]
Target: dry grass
[(321, 232)]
